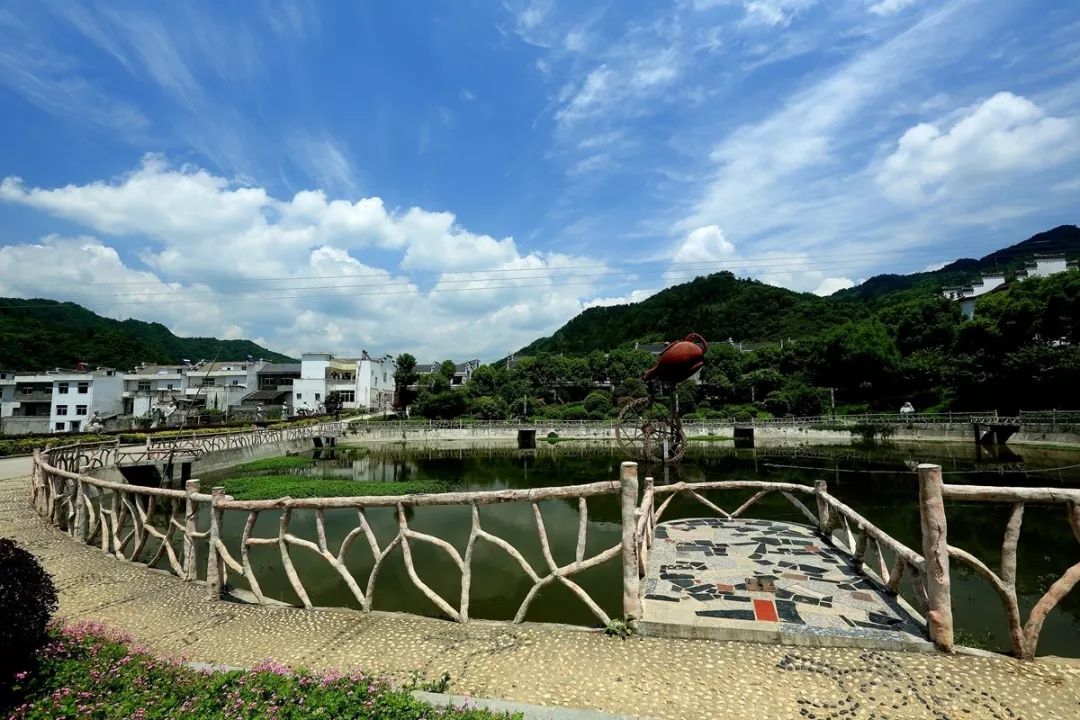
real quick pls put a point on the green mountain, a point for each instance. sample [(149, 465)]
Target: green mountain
[(40, 334), (721, 306)]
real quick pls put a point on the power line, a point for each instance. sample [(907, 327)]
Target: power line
[(785, 268), (175, 297), (752, 261)]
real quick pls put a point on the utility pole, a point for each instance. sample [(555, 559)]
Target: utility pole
[(526, 399), (832, 402)]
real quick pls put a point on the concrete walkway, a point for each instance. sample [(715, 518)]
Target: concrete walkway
[(542, 664)]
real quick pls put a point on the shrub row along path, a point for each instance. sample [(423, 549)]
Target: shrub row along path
[(541, 664)]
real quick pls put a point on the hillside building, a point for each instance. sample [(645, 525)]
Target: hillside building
[(1039, 266)]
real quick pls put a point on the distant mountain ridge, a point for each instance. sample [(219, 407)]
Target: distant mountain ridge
[(43, 334), (721, 306)]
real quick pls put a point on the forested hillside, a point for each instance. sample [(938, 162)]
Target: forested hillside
[(890, 340), (721, 306), (33, 337)]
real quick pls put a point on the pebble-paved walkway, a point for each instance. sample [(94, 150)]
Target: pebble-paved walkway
[(539, 664)]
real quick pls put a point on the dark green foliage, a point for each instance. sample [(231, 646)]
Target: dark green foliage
[(487, 407), (27, 603), (63, 334), (333, 404), (268, 487), (718, 306), (404, 377), (87, 671)]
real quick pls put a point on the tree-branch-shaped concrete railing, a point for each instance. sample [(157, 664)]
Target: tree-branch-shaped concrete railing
[(833, 517), (222, 560), (121, 518), (1023, 636)]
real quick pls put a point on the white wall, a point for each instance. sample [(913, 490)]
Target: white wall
[(374, 376)]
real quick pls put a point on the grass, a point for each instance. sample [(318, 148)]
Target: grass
[(88, 671), (708, 438), (286, 462), (269, 487)]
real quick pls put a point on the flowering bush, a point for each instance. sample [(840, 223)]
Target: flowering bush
[(27, 602), (88, 671)]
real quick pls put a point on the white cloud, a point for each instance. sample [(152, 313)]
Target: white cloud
[(1002, 137), (704, 244), (229, 260), (633, 297), (891, 7), (774, 13), (830, 285), (593, 94)]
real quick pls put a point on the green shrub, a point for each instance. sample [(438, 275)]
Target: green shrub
[(598, 401), (27, 602)]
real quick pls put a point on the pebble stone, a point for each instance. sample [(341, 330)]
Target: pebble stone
[(542, 664)]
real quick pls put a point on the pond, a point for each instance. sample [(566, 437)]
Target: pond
[(877, 481)]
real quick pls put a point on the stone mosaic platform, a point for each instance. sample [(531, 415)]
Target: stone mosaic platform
[(760, 580)]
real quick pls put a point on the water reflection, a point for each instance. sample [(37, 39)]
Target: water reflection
[(878, 481)]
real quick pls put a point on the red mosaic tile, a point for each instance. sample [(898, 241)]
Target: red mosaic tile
[(765, 611), (794, 576), (810, 548), (720, 587), (865, 597)]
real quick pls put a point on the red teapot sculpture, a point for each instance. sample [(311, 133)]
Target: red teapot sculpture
[(679, 360)]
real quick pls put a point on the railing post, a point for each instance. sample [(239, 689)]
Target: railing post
[(936, 555), (821, 487), (190, 528), (80, 504), (629, 499), (215, 576)]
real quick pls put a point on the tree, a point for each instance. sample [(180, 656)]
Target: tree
[(333, 404), (405, 376), (598, 403), (487, 407)]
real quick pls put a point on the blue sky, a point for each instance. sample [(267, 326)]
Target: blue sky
[(456, 179)]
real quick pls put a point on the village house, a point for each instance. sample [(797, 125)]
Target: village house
[(153, 389), (462, 371), (1039, 266), (274, 387), (59, 400), (221, 385), (364, 383)]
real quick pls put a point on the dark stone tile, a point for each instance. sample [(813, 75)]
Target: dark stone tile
[(882, 619), (875, 626), (665, 598), (728, 614), (788, 612)]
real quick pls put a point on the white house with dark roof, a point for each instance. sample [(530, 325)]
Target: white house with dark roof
[(150, 388), (61, 400)]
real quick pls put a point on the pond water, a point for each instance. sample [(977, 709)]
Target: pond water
[(877, 481)]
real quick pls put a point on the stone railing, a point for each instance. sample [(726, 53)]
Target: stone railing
[(156, 526), (119, 516), (1023, 637), (211, 442)]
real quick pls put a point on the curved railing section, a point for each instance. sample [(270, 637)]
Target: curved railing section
[(171, 529), (1023, 636)]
